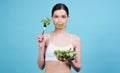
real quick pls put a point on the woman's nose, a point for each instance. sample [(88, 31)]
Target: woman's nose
[(59, 19)]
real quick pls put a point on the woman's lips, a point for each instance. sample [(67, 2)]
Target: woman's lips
[(59, 25)]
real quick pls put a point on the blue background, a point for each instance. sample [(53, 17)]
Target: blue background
[(97, 22)]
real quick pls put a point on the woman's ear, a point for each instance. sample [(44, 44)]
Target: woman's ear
[(68, 18)]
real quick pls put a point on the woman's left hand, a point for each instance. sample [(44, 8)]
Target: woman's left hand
[(66, 60)]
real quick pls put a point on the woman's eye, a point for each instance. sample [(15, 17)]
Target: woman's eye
[(63, 16), (55, 16)]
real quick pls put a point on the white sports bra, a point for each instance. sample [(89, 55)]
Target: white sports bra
[(50, 56)]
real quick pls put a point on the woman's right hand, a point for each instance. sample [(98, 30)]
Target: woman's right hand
[(41, 41)]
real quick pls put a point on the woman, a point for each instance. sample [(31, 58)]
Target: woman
[(59, 39)]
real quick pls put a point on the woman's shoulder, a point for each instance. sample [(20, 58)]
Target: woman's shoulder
[(47, 35), (75, 37), (76, 40)]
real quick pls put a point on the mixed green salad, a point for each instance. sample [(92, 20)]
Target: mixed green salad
[(64, 55), (46, 22)]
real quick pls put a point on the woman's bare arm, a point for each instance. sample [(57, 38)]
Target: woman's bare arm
[(41, 56), (76, 64), (41, 61)]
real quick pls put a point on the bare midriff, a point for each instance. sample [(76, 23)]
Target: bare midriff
[(57, 67)]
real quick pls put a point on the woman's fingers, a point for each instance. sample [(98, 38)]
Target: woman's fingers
[(66, 60), (40, 38)]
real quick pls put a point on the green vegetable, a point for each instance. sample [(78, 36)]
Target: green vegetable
[(65, 54), (46, 22)]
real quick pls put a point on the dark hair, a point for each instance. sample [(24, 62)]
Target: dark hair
[(59, 6)]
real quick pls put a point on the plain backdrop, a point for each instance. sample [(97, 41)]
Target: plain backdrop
[(97, 22)]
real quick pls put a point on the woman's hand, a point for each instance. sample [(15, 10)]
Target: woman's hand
[(66, 60), (41, 41)]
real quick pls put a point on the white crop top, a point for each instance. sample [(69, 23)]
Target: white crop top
[(50, 56)]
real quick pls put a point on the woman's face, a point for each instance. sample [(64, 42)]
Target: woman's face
[(60, 18)]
